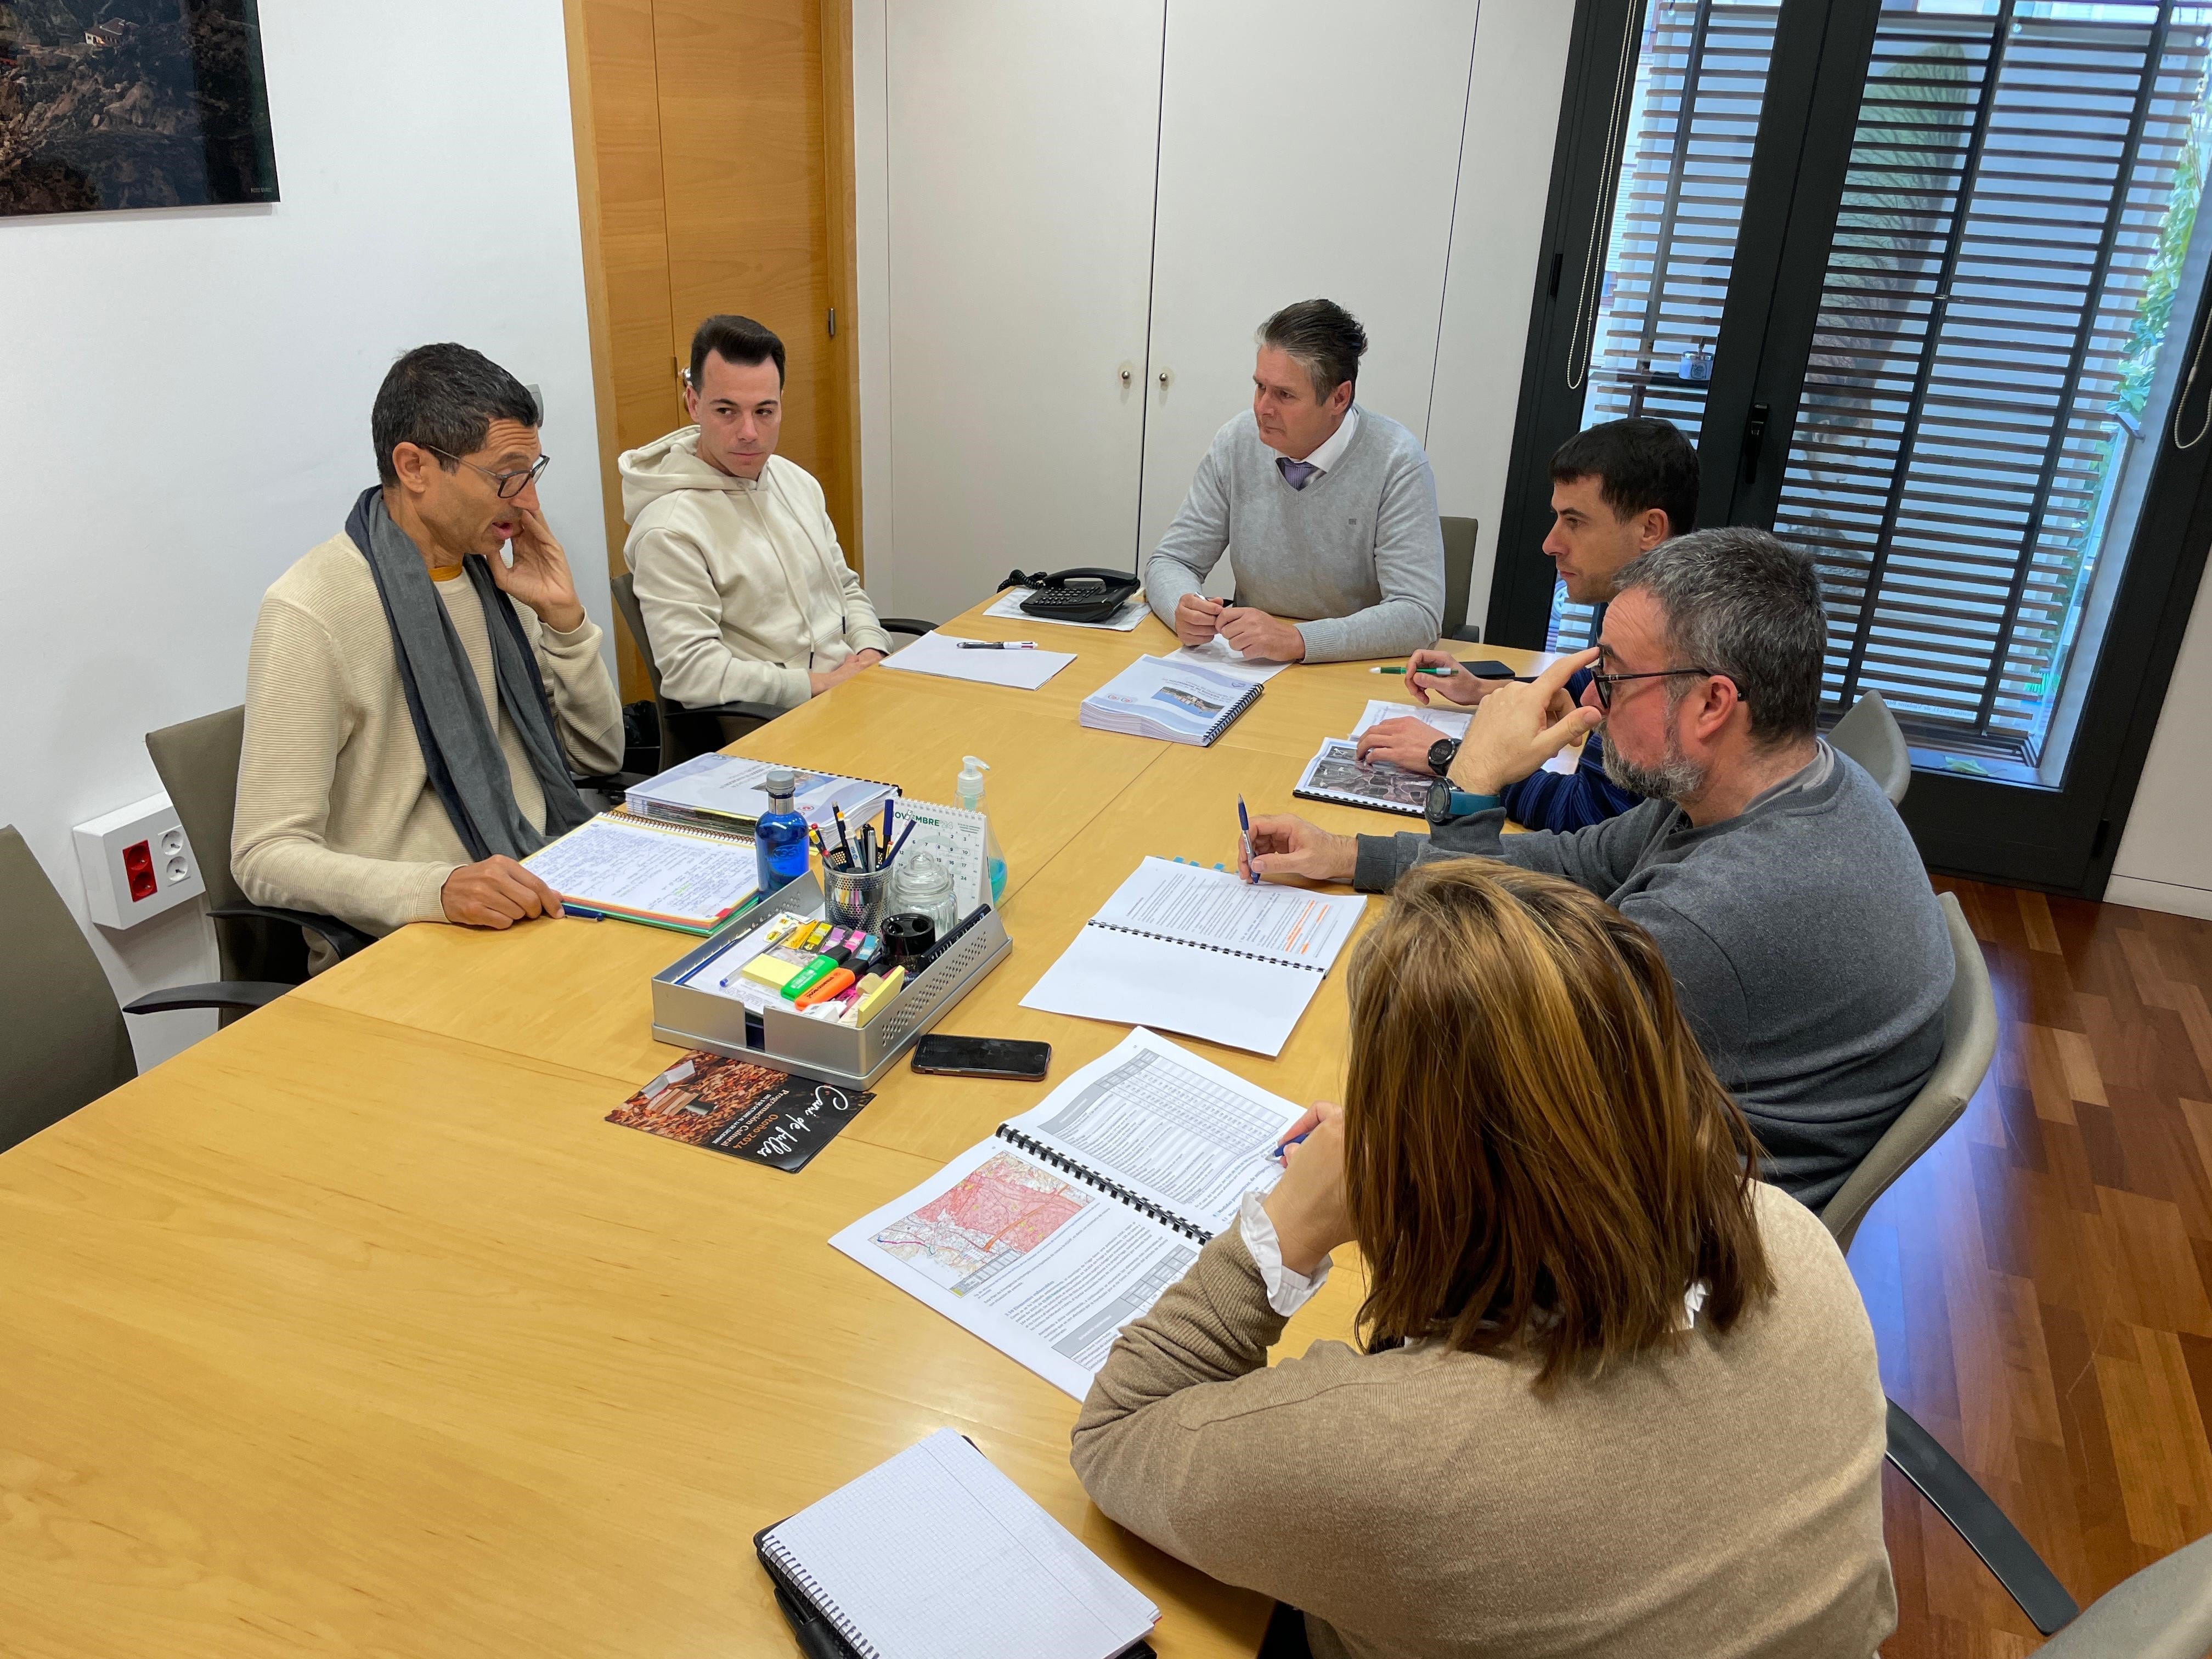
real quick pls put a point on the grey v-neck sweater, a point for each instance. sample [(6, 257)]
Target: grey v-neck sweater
[(1356, 559)]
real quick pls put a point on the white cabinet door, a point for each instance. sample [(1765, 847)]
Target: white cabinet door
[(1021, 141), (1307, 149)]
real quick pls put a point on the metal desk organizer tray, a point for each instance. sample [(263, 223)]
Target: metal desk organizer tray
[(853, 1056)]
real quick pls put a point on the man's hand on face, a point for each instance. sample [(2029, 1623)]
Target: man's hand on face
[(1460, 686), (496, 893), (1284, 847), (1519, 727), (1257, 634), (1197, 617), (539, 576)]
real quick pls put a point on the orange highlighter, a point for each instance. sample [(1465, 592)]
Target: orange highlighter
[(833, 984)]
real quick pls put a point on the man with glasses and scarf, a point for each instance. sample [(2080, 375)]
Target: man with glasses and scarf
[(420, 684), (1810, 954)]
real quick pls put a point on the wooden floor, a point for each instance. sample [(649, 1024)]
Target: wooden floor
[(2038, 1281)]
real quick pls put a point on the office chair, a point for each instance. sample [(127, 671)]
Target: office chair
[(63, 1040), (1869, 734), (1970, 1040), (197, 761), (2164, 1612), (685, 732), (1459, 576)]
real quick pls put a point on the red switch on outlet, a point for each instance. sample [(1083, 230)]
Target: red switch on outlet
[(139, 869)]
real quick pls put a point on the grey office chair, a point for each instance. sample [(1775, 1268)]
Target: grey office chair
[(684, 731), (62, 1041), (1970, 1041), (197, 761), (1869, 734), (2164, 1612), (1459, 576)]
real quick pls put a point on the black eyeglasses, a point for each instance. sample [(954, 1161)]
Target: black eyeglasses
[(509, 484), (1605, 682)]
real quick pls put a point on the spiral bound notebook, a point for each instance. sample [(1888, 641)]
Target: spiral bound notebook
[(1049, 1236), (1203, 952), (664, 875), (1174, 701), (936, 1554)]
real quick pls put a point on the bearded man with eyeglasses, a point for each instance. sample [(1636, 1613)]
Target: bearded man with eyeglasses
[(423, 685), (1796, 919)]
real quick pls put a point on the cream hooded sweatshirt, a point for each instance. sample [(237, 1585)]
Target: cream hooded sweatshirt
[(743, 586)]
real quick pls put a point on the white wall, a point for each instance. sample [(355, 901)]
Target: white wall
[(1518, 73), (183, 403), (2165, 860), (1497, 227)]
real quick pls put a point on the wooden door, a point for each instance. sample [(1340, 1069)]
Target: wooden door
[(1021, 141), (1307, 149)]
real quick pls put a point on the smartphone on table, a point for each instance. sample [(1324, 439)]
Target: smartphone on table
[(969, 1056)]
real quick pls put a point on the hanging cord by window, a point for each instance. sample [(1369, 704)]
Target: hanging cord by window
[(2181, 403), (1579, 350)]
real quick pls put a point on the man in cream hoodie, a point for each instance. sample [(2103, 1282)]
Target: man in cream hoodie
[(746, 592)]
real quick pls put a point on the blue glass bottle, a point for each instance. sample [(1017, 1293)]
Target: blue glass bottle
[(780, 837)]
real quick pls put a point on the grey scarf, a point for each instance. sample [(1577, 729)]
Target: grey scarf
[(460, 743)]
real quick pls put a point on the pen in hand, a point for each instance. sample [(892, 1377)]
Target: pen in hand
[(1244, 835), (1282, 1153)]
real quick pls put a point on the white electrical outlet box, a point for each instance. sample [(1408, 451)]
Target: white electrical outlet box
[(136, 863)]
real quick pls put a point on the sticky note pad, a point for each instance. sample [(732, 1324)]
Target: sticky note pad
[(769, 970), (877, 993)]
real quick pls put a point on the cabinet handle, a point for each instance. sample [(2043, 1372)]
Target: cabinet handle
[(1128, 374), (1164, 378)]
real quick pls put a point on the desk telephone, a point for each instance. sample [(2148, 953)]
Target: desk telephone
[(1080, 595)]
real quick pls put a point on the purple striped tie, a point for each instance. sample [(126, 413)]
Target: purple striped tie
[(1295, 473)]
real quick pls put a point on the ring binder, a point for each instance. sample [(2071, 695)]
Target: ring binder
[(1085, 1173)]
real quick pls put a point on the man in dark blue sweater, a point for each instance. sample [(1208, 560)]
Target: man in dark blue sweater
[(1618, 490)]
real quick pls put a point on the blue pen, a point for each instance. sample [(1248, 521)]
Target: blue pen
[(1244, 834), (885, 838), (568, 907), (1282, 1152)]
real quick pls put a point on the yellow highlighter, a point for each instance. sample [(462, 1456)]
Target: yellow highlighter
[(877, 993)]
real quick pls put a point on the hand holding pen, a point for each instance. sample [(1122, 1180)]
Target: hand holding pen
[(1307, 1206)]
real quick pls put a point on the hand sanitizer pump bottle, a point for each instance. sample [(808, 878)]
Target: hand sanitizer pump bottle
[(780, 837), (971, 797)]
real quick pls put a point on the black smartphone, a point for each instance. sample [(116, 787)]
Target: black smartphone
[(966, 1056), (1489, 668)]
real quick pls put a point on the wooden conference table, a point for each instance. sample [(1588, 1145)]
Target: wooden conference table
[(356, 1328)]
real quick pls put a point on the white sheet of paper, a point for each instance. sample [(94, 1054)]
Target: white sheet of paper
[(936, 1554), (940, 654), (1198, 906), (1009, 606), (1224, 659), (1451, 722)]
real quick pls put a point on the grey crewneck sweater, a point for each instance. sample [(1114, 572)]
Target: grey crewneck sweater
[(1807, 949), (1356, 559)]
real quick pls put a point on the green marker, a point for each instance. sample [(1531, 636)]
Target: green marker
[(808, 977), (1446, 673)]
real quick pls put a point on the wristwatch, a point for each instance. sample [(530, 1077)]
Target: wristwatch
[(1440, 754), (1445, 803)]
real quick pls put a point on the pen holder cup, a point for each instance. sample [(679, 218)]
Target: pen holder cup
[(854, 898)]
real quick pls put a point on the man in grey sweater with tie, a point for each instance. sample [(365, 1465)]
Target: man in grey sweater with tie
[(1328, 512)]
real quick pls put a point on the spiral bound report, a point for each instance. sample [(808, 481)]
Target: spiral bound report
[(1184, 948), (1049, 1236)]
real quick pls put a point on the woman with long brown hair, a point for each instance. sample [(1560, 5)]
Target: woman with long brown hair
[(1617, 1396)]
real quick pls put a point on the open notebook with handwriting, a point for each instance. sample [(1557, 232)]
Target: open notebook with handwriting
[(935, 1554)]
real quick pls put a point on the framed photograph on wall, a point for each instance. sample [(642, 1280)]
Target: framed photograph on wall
[(118, 104)]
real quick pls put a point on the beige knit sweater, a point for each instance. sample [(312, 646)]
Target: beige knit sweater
[(335, 811), (1723, 1499)]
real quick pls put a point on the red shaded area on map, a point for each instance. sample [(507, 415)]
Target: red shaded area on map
[(999, 1213)]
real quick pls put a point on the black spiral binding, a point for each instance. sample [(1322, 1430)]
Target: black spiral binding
[(787, 1564), (1229, 714), (1219, 950), (1083, 1172)]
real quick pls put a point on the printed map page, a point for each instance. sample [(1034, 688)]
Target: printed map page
[(1006, 1204)]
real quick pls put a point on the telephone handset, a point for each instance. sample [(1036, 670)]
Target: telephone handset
[(1078, 595)]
